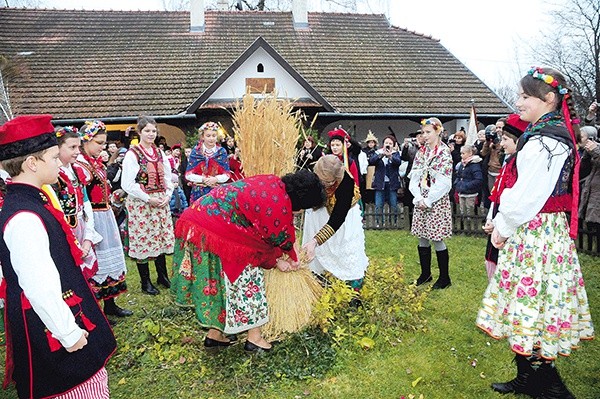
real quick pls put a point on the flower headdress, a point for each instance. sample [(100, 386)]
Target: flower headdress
[(538, 73), (91, 129), (430, 121), (64, 130), (209, 126)]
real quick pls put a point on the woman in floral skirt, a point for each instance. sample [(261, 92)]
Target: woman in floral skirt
[(147, 181), (536, 298), (226, 238), (430, 183)]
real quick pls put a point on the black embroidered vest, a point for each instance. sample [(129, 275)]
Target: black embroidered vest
[(42, 367)]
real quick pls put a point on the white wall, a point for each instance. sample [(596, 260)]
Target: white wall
[(235, 85)]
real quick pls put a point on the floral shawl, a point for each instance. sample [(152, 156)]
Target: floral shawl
[(248, 222)]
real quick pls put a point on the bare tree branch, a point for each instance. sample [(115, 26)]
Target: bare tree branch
[(572, 45)]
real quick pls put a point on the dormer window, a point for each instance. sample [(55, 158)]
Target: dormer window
[(260, 68)]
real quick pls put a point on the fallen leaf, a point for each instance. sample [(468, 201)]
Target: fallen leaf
[(122, 381), (415, 382), (482, 375), (181, 360), (366, 343), (408, 371)]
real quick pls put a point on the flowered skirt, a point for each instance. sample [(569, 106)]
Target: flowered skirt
[(149, 230), (343, 254), (434, 223), (537, 297), (109, 280), (232, 307)]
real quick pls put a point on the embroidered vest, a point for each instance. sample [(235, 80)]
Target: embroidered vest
[(506, 179), (41, 367), (98, 188), (151, 175), (330, 200), (70, 194)]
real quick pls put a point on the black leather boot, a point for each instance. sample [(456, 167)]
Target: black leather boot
[(161, 270), (444, 280), (554, 387), (147, 286), (526, 381), (425, 260), (112, 309)]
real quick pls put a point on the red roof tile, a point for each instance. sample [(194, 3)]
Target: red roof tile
[(124, 63)]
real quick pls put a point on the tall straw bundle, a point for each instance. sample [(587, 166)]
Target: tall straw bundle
[(267, 131), (290, 297)]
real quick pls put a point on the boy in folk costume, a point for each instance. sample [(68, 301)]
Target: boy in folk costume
[(58, 339)]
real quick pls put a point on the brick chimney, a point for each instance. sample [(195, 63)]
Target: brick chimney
[(300, 14), (222, 5), (196, 15)]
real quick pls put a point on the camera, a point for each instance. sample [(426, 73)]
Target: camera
[(387, 147)]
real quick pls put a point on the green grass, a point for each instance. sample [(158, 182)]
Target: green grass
[(439, 361)]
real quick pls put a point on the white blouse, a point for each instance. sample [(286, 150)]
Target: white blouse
[(131, 167), (29, 246), (539, 164)]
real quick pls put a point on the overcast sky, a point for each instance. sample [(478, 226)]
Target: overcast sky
[(488, 37)]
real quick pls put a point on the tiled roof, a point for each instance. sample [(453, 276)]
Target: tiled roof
[(76, 64)]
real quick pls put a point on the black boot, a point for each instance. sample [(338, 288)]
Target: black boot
[(161, 270), (147, 286), (554, 387), (111, 308), (425, 260), (525, 382), (444, 280)]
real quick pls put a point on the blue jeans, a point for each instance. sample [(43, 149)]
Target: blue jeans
[(383, 196)]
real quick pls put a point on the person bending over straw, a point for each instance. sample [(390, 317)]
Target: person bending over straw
[(226, 239), (333, 236)]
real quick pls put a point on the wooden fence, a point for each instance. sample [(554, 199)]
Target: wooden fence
[(588, 240)]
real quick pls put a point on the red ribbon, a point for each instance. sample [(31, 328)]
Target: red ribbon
[(575, 184)]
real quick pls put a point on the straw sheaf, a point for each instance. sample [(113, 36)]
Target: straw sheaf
[(267, 131), (291, 297)]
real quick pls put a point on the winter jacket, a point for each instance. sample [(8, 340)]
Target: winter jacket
[(589, 203), (468, 178)]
